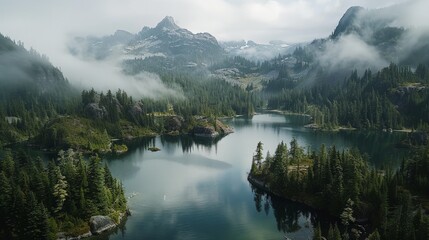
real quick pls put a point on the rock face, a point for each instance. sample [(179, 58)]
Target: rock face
[(64, 236), (168, 39), (136, 110), (347, 21), (165, 40), (204, 129), (174, 123), (208, 131), (93, 110), (223, 128), (99, 224)]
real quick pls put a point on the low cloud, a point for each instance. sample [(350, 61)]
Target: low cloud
[(47, 26), (18, 67), (11, 67), (350, 52), (357, 50), (105, 75)]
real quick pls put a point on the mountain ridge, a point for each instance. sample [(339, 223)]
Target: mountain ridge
[(166, 40)]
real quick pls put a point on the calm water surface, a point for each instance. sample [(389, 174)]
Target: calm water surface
[(197, 189)]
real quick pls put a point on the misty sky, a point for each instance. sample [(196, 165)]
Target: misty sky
[(47, 25), (258, 20)]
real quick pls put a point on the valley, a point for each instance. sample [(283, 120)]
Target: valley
[(152, 133)]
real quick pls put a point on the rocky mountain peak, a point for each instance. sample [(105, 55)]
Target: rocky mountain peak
[(347, 21), (122, 33), (168, 23)]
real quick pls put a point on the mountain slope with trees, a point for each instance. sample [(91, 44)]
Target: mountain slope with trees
[(39, 201), (31, 91), (395, 97)]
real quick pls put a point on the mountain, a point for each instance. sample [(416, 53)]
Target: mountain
[(169, 39), (363, 39), (165, 40), (347, 21), (258, 52), (387, 32), (22, 70), (100, 48), (32, 90)]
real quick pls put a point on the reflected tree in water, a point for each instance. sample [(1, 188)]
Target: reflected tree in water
[(287, 213)]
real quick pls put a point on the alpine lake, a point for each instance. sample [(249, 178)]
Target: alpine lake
[(197, 188)]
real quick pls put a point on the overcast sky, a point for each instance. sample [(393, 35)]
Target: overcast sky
[(47, 25), (258, 20)]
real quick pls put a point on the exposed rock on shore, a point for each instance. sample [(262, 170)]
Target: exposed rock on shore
[(99, 224)]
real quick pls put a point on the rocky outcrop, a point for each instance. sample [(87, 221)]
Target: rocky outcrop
[(223, 129), (64, 236), (207, 129), (173, 123), (94, 111), (136, 110), (99, 224)]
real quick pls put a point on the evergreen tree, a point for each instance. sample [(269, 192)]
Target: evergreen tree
[(317, 232), (37, 201), (96, 184), (258, 156), (337, 233), (5, 204), (60, 190), (374, 236), (331, 233)]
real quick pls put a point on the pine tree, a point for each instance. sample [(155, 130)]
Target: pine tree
[(7, 164), (42, 225), (82, 201), (347, 214), (317, 232), (331, 235), (279, 166), (5, 204), (108, 179), (374, 235), (36, 220), (96, 184), (60, 190), (337, 233), (258, 156)]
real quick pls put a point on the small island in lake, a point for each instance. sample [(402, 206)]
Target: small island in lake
[(154, 149)]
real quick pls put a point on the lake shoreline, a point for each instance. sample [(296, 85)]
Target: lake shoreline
[(317, 127), (307, 203), (262, 186)]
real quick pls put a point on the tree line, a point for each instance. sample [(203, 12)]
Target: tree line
[(394, 97), (38, 199), (343, 184)]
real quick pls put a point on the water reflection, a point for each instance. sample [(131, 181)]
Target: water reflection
[(378, 146), (270, 121), (197, 188), (169, 143), (187, 142), (295, 220), (197, 160)]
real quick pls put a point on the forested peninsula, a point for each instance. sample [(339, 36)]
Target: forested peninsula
[(343, 184)]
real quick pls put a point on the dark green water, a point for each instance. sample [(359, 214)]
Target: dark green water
[(197, 189)]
